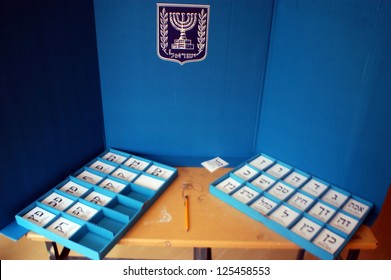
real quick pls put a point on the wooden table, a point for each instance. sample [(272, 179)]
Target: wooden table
[(213, 223)]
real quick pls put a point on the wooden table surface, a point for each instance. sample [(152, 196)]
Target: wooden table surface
[(213, 223)]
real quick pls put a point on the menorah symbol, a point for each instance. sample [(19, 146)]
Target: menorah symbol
[(183, 22)]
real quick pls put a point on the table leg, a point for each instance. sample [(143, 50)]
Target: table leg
[(202, 253), (300, 254), (353, 254), (54, 254)]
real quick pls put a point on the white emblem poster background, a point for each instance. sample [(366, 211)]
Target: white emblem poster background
[(182, 32)]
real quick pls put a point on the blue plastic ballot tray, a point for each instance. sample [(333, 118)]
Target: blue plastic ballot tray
[(94, 207), (316, 215)]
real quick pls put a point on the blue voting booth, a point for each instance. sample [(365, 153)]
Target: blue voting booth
[(306, 82)]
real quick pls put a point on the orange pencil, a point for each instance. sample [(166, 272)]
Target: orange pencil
[(187, 213)]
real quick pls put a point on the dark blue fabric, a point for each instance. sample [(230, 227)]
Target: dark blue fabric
[(50, 106)]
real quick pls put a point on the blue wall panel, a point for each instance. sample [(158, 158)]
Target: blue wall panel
[(187, 113), (326, 104), (50, 106)]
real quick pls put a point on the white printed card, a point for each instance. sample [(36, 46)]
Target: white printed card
[(82, 211), (214, 164), (64, 227), (39, 216)]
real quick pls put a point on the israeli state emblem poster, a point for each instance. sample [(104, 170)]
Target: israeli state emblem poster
[(182, 32)]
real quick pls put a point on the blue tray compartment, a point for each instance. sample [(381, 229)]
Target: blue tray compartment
[(345, 211), (138, 193), (97, 216)]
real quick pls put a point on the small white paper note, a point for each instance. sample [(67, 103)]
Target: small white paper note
[(245, 194), (89, 177), (284, 215), (160, 171), (98, 198), (82, 211), (263, 182), (300, 201), (245, 172), (114, 157), (214, 164), (228, 185), (322, 212), (124, 174), (112, 185), (149, 182), (102, 167), (280, 190), (344, 222), (295, 179), (74, 189), (57, 201), (64, 227), (39, 216), (306, 228), (263, 205), (261, 162), (136, 163), (314, 187), (335, 198), (329, 241), (278, 170), (355, 208)]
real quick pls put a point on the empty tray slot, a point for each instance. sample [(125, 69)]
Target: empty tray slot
[(93, 237), (125, 205), (138, 193), (110, 220)]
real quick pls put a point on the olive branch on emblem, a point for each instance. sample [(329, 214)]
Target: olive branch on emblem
[(164, 30), (201, 31)]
